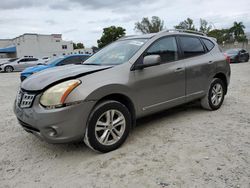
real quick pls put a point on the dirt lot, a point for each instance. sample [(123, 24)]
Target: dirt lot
[(182, 147)]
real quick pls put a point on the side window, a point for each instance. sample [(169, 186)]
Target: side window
[(191, 46), (209, 44), (23, 60), (32, 59), (166, 48), (64, 47), (71, 60), (84, 58)]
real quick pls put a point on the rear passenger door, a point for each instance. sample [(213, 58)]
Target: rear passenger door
[(199, 63), (32, 62), (21, 64)]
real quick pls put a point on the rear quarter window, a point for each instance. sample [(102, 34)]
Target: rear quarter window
[(209, 44)]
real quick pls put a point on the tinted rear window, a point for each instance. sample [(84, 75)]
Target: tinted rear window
[(209, 44), (191, 46)]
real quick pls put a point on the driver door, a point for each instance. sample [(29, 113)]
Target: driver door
[(161, 86), (21, 64)]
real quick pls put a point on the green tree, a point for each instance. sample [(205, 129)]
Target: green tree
[(238, 30), (95, 49), (204, 26), (110, 34), (221, 35), (149, 26), (187, 24), (78, 46)]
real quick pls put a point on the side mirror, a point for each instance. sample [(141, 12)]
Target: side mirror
[(149, 61)]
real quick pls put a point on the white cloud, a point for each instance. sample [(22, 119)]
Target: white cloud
[(82, 21)]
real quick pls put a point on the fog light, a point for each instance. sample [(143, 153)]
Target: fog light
[(52, 132)]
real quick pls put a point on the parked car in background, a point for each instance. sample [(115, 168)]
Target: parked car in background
[(100, 100), (46, 59), (237, 55), (64, 60), (4, 60), (19, 64)]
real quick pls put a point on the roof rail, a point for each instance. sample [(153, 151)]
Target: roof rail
[(127, 36), (185, 31)]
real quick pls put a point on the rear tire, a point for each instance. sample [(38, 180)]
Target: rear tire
[(108, 126), (8, 69), (215, 95)]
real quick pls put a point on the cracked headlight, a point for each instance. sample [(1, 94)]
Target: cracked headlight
[(55, 96)]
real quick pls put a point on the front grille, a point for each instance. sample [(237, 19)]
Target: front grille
[(24, 99)]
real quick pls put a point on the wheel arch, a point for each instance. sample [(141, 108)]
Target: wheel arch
[(223, 77), (125, 100), (9, 66)]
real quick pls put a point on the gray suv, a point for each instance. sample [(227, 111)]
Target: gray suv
[(99, 101)]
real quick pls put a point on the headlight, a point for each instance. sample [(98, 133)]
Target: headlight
[(55, 96)]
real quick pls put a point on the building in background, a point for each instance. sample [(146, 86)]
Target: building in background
[(36, 45)]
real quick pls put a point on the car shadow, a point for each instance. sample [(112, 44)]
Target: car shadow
[(141, 124), (165, 114)]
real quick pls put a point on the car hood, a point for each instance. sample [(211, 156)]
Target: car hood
[(35, 69), (4, 63), (45, 79)]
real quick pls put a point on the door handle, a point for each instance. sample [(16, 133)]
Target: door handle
[(210, 62), (179, 69)]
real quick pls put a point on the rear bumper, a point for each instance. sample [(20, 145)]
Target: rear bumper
[(60, 125)]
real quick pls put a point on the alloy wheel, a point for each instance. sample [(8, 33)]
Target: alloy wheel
[(8, 69), (217, 94), (110, 127)]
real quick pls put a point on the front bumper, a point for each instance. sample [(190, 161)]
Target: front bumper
[(60, 125)]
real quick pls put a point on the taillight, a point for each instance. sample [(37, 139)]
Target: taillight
[(227, 57)]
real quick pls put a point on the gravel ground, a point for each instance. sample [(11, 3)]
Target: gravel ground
[(181, 147)]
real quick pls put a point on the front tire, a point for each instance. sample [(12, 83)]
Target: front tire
[(108, 126), (8, 69), (215, 95)]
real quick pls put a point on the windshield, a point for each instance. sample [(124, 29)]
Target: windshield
[(12, 60), (54, 61), (116, 53)]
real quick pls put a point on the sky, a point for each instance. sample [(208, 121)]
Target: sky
[(83, 20)]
